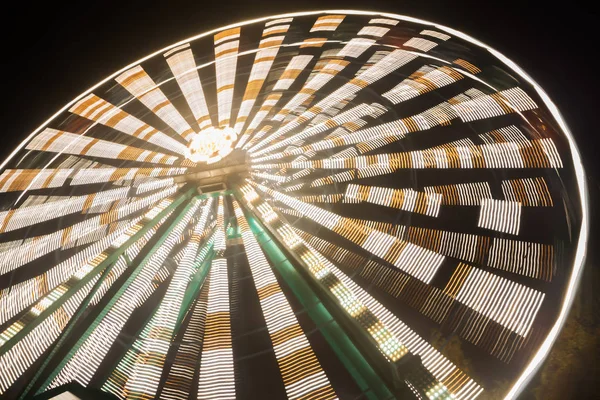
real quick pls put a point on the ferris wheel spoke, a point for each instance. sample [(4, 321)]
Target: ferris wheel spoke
[(259, 116), (28, 215), (272, 39), (226, 54), (265, 129), (424, 80), (309, 154), (183, 66), (288, 339), (142, 87), (104, 175), (99, 110), (54, 141), (216, 377), (528, 191), (351, 115), (139, 372), (102, 224), (98, 338), (144, 184), (462, 194), (180, 383), (30, 179), (388, 64), (15, 180), (402, 199)]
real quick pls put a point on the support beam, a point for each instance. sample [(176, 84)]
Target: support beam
[(213, 176), (103, 268), (196, 283), (106, 308), (362, 372), (136, 335)]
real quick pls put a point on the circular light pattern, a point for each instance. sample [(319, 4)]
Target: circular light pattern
[(315, 205), (211, 145)]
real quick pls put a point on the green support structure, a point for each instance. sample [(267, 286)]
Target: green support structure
[(190, 293), (360, 369), (113, 300), (194, 286), (214, 194), (107, 264), (135, 335)]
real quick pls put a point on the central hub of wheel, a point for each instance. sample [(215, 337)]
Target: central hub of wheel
[(211, 145)]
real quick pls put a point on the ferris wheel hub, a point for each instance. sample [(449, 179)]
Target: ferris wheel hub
[(211, 145)]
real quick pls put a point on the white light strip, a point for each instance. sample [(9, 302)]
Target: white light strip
[(90, 353), (295, 357)]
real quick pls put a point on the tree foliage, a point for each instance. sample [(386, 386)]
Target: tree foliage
[(571, 369)]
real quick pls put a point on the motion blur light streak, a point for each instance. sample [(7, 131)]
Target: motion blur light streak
[(293, 207)]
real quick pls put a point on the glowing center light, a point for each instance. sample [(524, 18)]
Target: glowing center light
[(211, 145)]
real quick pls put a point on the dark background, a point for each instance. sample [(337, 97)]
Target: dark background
[(53, 52)]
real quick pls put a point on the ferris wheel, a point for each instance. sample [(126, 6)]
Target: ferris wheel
[(306, 206)]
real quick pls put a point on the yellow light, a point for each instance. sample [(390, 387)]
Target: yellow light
[(211, 145)]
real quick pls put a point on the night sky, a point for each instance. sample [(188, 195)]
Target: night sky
[(59, 51)]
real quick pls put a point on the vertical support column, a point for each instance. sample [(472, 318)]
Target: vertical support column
[(104, 267), (217, 377), (121, 249), (362, 372)]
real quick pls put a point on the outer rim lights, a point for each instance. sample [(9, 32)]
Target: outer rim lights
[(211, 145), (580, 251)]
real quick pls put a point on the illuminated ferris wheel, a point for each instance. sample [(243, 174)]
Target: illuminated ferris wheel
[(306, 206)]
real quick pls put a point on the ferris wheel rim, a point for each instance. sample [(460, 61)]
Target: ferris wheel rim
[(580, 254)]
